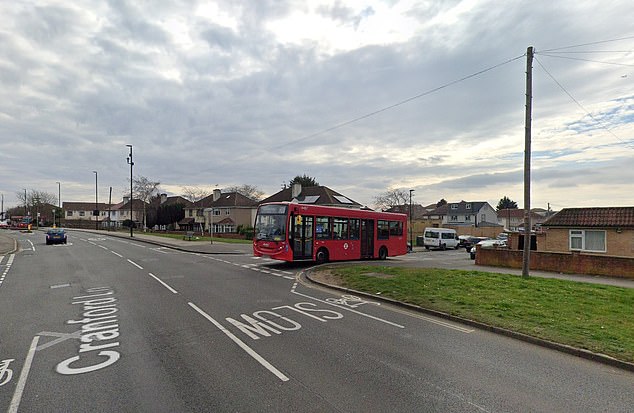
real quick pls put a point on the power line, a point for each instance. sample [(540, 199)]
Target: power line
[(589, 44), (420, 95), (586, 60), (600, 123)]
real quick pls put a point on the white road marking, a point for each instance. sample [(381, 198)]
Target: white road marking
[(163, 283), (105, 248), (24, 374), (135, 264), (117, 254), (241, 344), (349, 309), (32, 246)]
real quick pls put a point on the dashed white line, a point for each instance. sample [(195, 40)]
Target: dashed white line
[(135, 264), (117, 254), (242, 344), (163, 283)]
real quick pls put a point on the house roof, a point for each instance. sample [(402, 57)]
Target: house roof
[(226, 200), (459, 208), (315, 195), (84, 206), (418, 211), (518, 213), (592, 217), (171, 200)]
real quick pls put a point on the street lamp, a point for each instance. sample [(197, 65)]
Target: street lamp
[(96, 213), (131, 163), (411, 241), (59, 202)]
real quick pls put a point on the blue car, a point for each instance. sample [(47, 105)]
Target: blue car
[(56, 236)]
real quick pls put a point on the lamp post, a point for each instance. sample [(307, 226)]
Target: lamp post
[(96, 213), (59, 202), (411, 241), (131, 163)]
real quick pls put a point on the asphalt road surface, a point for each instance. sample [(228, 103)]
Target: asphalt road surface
[(107, 324)]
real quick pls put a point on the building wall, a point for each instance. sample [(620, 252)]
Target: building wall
[(570, 262), (618, 244)]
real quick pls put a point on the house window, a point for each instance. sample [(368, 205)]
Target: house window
[(199, 212), (69, 213), (454, 206), (216, 211), (467, 217), (454, 218), (483, 217), (227, 211), (82, 213), (585, 240), (468, 206)]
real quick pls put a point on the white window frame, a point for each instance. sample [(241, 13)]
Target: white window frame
[(581, 234)]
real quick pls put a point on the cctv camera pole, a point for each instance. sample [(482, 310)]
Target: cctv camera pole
[(527, 163)]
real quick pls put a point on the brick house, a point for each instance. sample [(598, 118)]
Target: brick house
[(604, 231), (80, 214), (226, 211)]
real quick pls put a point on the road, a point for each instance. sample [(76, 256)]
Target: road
[(107, 324)]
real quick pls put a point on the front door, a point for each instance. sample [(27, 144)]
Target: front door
[(367, 238), (302, 230)]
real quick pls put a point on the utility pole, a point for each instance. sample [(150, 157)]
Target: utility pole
[(131, 163), (527, 163), (411, 241)]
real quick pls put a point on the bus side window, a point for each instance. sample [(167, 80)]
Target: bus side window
[(340, 228), (384, 230), (354, 229), (322, 230)]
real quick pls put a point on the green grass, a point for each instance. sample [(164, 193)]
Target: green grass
[(598, 318), (203, 238)]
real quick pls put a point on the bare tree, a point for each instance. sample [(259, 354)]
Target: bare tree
[(195, 194), (143, 189), (390, 198), (33, 198), (250, 191)]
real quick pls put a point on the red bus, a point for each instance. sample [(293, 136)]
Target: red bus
[(299, 232)]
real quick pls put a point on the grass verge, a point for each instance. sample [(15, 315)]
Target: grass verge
[(598, 318), (204, 238)]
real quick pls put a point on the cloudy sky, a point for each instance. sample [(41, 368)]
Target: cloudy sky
[(361, 95)]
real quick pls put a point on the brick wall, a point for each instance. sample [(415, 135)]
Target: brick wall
[(564, 262)]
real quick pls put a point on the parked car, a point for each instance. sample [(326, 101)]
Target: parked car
[(471, 241), (487, 243), (56, 236), (4, 224)]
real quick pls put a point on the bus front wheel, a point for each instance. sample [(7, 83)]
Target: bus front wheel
[(322, 256), (383, 253)]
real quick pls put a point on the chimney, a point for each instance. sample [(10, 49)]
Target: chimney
[(126, 199), (296, 190), (216, 196), (163, 198)]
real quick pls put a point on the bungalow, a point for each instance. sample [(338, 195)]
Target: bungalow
[(606, 231)]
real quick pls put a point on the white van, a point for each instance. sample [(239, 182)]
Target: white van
[(441, 238)]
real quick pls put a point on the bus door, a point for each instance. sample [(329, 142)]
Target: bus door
[(367, 238), (302, 230)]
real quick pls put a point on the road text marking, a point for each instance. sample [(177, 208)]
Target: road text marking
[(241, 344)]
